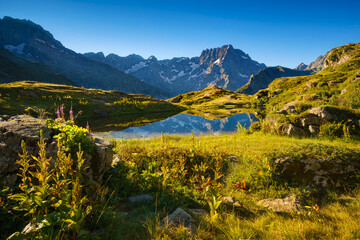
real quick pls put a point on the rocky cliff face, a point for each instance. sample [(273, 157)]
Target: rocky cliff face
[(225, 67), (341, 55), (30, 41)]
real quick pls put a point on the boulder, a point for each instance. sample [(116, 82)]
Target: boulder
[(180, 218), (295, 131), (314, 129), (288, 204), (316, 172), (310, 119), (322, 113), (15, 129)]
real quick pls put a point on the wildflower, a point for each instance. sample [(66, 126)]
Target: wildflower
[(58, 113), (62, 111), (71, 115), (87, 126)]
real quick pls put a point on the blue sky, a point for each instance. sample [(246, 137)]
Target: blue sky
[(273, 32)]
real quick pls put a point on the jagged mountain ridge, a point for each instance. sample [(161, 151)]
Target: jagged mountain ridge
[(30, 41), (316, 65), (225, 67)]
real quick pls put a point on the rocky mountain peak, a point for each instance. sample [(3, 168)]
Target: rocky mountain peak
[(152, 58), (16, 33)]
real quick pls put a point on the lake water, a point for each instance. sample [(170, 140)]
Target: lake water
[(186, 124)]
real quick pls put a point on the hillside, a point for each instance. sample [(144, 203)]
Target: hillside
[(30, 41), (262, 79), (225, 67), (13, 68), (43, 99), (213, 102), (336, 86)]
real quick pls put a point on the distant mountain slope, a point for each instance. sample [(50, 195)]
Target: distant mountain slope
[(13, 68), (262, 79), (225, 67), (30, 41)]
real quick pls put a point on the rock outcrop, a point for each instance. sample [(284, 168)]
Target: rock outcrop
[(14, 130), (319, 173), (288, 204)]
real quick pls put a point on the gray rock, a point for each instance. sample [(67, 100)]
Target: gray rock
[(316, 172), (141, 198), (322, 113), (295, 131), (314, 129), (289, 204), (310, 119), (231, 201), (180, 218)]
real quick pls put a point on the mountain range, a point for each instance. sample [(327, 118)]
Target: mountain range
[(225, 67), (31, 42)]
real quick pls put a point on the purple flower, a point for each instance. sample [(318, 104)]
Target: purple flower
[(58, 113), (87, 126), (71, 115), (62, 111)]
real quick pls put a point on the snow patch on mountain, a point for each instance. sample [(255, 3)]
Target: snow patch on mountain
[(136, 67), (15, 49)]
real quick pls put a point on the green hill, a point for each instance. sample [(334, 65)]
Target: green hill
[(213, 101), (336, 86)]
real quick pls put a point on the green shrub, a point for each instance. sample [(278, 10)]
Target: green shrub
[(54, 199), (255, 127)]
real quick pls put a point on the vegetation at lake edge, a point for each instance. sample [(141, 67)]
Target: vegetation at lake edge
[(213, 102), (44, 99)]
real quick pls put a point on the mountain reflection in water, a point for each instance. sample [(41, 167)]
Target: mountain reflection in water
[(186, 124)]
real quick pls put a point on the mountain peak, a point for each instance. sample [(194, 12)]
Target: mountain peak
[(153, 58)]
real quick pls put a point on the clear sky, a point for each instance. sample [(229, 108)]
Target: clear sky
[(273, 32)]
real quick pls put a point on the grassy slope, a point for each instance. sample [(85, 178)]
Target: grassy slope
[(336, 85), (334, 220), (212, 102), (13, 68), (34, 97)]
